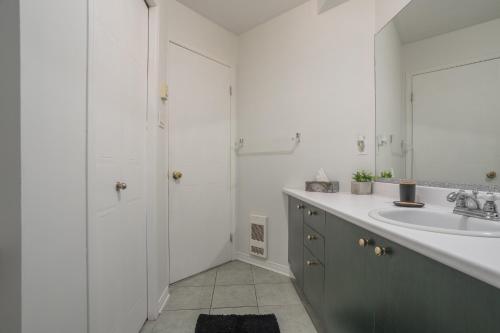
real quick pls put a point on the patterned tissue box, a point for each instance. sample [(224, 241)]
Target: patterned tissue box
[(326, 187)]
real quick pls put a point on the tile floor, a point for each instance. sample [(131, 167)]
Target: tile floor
[(233, 288)]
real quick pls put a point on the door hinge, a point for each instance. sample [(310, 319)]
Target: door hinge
[(230, 90), (230, 237)]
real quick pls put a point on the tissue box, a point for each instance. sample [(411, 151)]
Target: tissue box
[(326, 187)]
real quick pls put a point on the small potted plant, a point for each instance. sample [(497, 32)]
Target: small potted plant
[(362, 182), (386, 174)]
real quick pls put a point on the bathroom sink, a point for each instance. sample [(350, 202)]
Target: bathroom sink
[(437, 221)]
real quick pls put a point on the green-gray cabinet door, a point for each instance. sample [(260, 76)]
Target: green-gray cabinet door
[(295, 239), (422, 295), (314, 278), (350, 290)]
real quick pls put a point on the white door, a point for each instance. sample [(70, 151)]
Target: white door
[(118, 62), (456, 113), (199, 216)]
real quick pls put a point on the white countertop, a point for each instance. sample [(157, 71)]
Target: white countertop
[(476, 256)]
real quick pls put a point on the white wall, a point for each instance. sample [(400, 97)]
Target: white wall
[(10, 169), (53, 125), (200, 34), (324, 5), (474, 43), (385, 10), (308, 73), (390, 109)]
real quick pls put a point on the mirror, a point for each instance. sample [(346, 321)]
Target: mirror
[(438, 93)]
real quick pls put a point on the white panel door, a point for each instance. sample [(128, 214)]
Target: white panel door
[(199, 148), (456, 113), (118, 61)]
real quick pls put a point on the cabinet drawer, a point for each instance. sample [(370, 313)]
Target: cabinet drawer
[(315, 218), (314, 280), (314, 243)]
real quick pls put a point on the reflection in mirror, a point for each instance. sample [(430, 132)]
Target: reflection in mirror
[(438, 93)]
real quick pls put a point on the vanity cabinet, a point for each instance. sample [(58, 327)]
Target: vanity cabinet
[(306, 255), (417, 294), (350, 289), (295, 242), (351, 286), (314, 283)]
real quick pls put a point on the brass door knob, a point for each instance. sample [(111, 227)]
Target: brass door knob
[(300, 207), (120, 186), (177, 175), (363, 242), (491, 175), (311, 213), (380, 251), (311, 263), (312, 237)]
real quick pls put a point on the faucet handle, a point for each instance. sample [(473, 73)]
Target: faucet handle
[(454, 196), (490, 197), (490, 207)]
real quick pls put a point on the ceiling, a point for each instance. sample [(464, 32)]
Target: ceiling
[(423, 19), (239, 16)]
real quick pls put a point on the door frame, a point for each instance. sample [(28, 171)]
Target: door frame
[(230, 147), (154, 304)]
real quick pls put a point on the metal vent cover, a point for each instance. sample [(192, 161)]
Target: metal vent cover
[(258, 232), (258, 236)]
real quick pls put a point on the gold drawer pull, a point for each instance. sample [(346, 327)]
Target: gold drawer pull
[(363, 242), (381, 251), (312, 237)]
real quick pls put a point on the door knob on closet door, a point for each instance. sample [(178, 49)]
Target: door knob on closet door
[(311, 213), (177, 175), (312, 237), (120, 186)]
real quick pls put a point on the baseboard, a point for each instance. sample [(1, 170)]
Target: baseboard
[(270, 265), (162, 302)]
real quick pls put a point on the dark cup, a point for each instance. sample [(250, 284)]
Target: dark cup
[(407, 191)]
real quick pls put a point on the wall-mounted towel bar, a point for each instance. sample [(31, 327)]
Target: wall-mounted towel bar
[(280, 147)]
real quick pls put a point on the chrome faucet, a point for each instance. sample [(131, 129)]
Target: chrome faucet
[(469, 204)]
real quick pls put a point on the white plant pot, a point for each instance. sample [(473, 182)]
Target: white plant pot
[(361, 188)]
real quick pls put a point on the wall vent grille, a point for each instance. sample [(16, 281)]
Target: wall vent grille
[(258, 236)]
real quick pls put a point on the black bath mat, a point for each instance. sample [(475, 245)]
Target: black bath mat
[(237, 324)]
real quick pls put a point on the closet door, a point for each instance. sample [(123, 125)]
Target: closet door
[(118, 59)]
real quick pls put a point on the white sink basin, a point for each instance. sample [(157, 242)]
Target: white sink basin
[(437, 221)]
